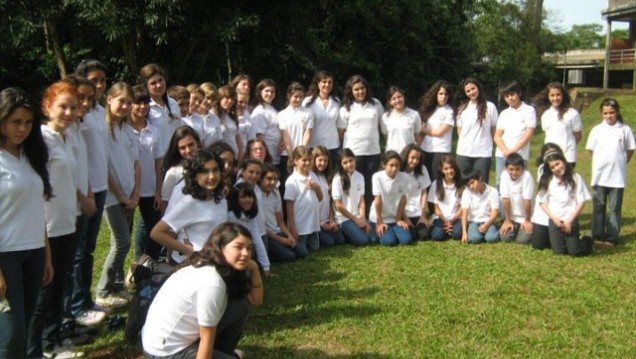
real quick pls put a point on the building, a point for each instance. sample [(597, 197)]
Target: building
[(619, 69)]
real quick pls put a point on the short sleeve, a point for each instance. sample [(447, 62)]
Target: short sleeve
[(376, 186), (527, 186), (629, 139), (494, 198), (582, 194), (211, 302), (310, 120), (336, 188), (417, 123), (577, 125), (432, 193), (282, 124), (504, 185), (465, 199), (343, 119), (383, 121), (492, 113), (178, 216), (291, 190)]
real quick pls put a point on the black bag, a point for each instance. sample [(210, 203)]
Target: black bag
[(148, 276)]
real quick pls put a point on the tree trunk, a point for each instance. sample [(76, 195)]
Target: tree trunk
[(54, 43)]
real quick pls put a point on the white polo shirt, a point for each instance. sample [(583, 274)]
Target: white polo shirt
[(514, 122), (257, 240), (229, 130), (325, 122), (265, 122), (159, 116), (400, 128), (149, 151), (451, 203), (390, 191), (362, 135), (123, 152), (271, 204), (306, 204), (538, 215), (475, 139), (480, 204), (197, 122), (95, 133), (609, 146), (442, 144), (81, 160), (561, 131), (350, 201), (246, 130), (517, 191), (295, 121), (21, 204), (417, 186), (562, 199), (325, 204)]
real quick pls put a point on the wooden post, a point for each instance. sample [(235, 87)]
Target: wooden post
[(608, 48)]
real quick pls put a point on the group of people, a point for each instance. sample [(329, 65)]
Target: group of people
[(225, 184)]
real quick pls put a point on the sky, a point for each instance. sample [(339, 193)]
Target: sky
[(565, 13)]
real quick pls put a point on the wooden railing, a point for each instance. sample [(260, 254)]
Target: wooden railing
[(625, 56), (617, 3)]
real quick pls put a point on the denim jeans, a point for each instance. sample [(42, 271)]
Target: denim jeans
[(367, 166), (476, 237), (607, 227), (419, 232), (438, 233), (82, 271), (355, 235), (281, 253), (330, 238), (147, 220), (569, 243), (22, 271), (466, 164), (393, 235), (311, 242), (120, 223), (48, 313)]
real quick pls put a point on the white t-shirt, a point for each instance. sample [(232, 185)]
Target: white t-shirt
[(362, 135), (246, 130), (95, 133), (193, 219), (390, 191), (451, 203), (229, 129), (212, 129), (159, 116), (609, 146), (480, 204), (21, 204), (325, 119), (265, 122), (306, 204), (325, 204), (400, 128), (562, 198), (61, 210), (81, 160), (257, 240), (561, 131), (350, 201), (190, 298), (475, 139), (123, 152), (538, 216), (295, 121), (442, 144), (149, 151), (514, 122), (197, 122), (517, 191), (271, 204), (173, 175), (417, 185)]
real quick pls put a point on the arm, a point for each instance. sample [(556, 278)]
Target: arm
[(577, 136), (465, 225), (87, 203), (380, 227), (286, 141), (206, 343), (437, 132), (629, 155), (48, 263), (567, 223), (113, 186), (307, 136), (291, 222), (255, 296), (507, 225), (424, 216), (527, 136), (401, 217), (134, 197), (163, 234), (498, 138), (240, 146), (157, 205), (491, 219), (527, 223), (290, 241), (3, 285)]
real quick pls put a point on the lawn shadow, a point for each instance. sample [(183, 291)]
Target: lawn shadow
[(304, 353)]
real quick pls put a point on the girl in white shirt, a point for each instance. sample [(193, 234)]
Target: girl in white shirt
[(302, 199), (226, 153), (225, 110), (265, 119), (476, 120), (437, 123), (183, 145), (329, 232), (25, 258), (200, 208), (560, 122), (246, 129), (416, 209), (296, 122), (399, 123), (540, 221), (387, 216), (124, 181), (326, 109), (612, 145), (201, 309), (445, 194), (347, 190), (358, 124), (562, 195)]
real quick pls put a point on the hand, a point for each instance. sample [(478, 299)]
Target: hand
[(189, 245), (88, 206), (3, 286), (380, 229), (360, 222), (506, 227), (157, 202), (483, 228), (527, 227), (566, 226), (427, 222), (47, 277), (404, 225), (251, 265), (464, 237)]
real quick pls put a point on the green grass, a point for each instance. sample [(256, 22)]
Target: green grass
[(447, 299)]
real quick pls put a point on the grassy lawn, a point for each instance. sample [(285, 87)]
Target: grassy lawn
[(446, 299)]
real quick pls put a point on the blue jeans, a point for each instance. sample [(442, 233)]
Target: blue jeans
[(311, 242), (476, 237), (393, 235), (367, 166), (22, 271), (281, 253), (466, 164), (82, 271), (438, 233), (47, 316), (147, 220), (330, 238), (120, 223), (355, 235), (607, 227)]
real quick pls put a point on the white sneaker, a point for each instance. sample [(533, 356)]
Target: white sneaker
[(64, 352), (90, 318), (239, 353), (111, 301)]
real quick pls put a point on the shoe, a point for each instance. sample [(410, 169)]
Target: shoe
[(90, 318), (111, 301), (239, 353), (99, 308), (63, 352), (77, 339)]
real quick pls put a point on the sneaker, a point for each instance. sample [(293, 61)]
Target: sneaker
[(90, 318), (63, 352), (99, 308), (111, 301), (239, 353), (77, 339)]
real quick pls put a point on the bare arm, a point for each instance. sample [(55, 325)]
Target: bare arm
[(163, 234), (255, 296), (206, 343), (577, 136), (524, 140), (437, 132), (307, 137)]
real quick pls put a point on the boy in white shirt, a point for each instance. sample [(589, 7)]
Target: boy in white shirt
[(480, 205), (516, 190)]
